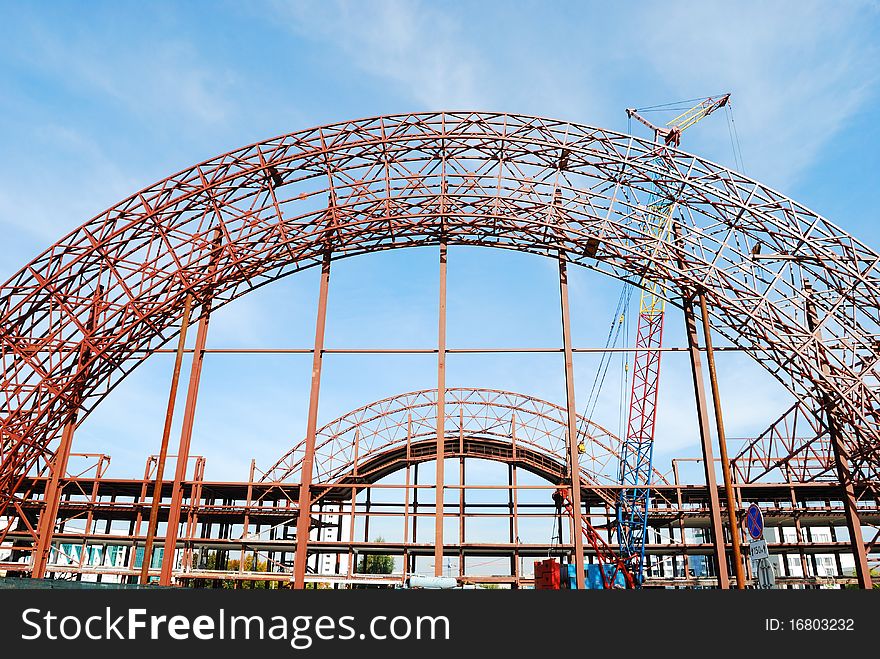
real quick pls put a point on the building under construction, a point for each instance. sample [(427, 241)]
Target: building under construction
[(746, 266)]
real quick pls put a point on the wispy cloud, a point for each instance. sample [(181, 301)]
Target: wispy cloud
[(798, 72), (151, 78), (82, 176), (95, 110), (418, 48)]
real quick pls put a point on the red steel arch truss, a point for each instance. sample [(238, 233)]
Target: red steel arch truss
[(785, 285)]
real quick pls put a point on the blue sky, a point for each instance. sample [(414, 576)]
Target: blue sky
[(99, 99)]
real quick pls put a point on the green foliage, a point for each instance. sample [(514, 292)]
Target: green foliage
[(875, 577), (376, 563)]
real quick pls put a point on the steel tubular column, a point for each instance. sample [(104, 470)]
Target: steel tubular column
[(441, 414), (722, 447), (51, 498), (841, 456), (304, 519), (706, 440), (406, 493), (58, 467), (163, 449), (572, 426), (189, 414)]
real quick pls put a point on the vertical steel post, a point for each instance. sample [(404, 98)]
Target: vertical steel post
[(441, 414), (461, 508), (799, 536), (510, 512), (189, 415), (841, 455), (514, 505), (706, 440), (163, 449), (722, 446), (52, 498), (415, 505), (352, 566), (572, 425), (247, 518), (58, 466), (304, 520), (684, 555), (134, 529), (406, 493)]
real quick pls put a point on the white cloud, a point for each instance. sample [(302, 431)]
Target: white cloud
[(418, 48), (798, 71)]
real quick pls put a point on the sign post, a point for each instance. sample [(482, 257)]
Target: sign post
[(758, 552)]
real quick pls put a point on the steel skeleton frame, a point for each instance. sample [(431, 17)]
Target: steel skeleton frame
[(507, 181), (94, 500), (356, 451)]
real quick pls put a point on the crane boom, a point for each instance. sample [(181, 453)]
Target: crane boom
[(636, 455)]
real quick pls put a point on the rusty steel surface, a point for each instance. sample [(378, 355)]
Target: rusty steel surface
[(794, 446), (572, 436), (501, 180), (718, 543), (721, 436), (782, 284), (305, 495)]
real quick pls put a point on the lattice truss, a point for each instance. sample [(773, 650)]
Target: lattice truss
[(509, 181), (538, 428)]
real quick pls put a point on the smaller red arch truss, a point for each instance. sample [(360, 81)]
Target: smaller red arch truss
[(534, 424)]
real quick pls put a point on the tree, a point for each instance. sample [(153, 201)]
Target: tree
[(376, 563), (875, 577)]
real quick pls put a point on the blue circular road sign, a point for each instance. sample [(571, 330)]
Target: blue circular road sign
[(755, 522)]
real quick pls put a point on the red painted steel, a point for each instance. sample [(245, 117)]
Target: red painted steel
[(645, 379), (571, 416), (304, 519), (226, 226), (440, 479), (58, 465), (719, 547), (722, 446), (749, 246), (163, 447), (605, 554)]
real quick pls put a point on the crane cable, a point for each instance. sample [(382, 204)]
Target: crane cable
[(734, 139), (686, 104), (618, 323)]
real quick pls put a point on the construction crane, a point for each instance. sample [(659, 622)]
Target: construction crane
[(636, 455)]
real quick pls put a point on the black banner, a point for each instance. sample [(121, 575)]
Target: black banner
[(399, 622)]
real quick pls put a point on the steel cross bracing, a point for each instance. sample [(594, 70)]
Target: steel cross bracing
[(378, 183), (796, 445), (636, 456)]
